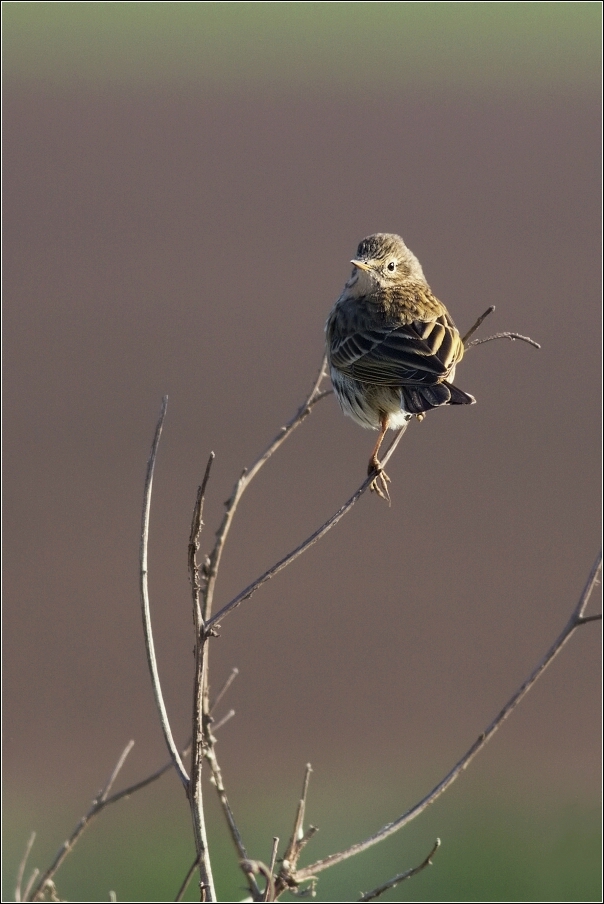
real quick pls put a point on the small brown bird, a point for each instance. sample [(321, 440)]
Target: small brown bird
[(391, 345)]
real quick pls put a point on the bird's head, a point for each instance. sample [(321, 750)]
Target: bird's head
[(383, 260)]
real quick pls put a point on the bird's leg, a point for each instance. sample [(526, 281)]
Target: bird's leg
[(379, 484)]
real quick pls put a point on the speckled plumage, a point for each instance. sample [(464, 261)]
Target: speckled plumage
[(391, 345)]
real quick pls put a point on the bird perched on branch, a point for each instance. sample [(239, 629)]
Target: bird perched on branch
[(392, 347)]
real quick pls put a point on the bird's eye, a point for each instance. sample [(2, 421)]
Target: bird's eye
[(392, 266)]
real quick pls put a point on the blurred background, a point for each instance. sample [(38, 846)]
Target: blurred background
[(184, 187)]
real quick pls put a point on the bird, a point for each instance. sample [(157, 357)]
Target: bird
[(392, 346)]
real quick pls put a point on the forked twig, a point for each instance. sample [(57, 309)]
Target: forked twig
[(146, 611), (213, 563), (287, 878), (396, 880), (576, 619), (210, 574), (480, 320), (137, 786), (289, 558), (38, 892), (203, 740), (505, 335)]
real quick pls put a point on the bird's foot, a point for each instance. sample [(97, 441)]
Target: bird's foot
[(380, 482)]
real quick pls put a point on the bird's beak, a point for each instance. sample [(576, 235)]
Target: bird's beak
[(362, 265)]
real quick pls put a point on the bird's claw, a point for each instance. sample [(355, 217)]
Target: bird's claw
[(380, 482)]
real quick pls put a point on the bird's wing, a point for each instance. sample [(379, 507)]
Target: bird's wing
[(420, 352)]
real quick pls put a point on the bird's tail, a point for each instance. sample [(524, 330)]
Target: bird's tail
[(417, 399)]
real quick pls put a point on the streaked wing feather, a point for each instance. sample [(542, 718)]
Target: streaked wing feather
[(422, 352)]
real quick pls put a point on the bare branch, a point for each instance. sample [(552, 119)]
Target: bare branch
[(224, 689), (198, 750), (505, 335), (291, 853), (196, 526), (146, 612), (30, 884), (37, 894), (252, 868), (199, 694), (210, 573), (288, 875), (186, 880), (480, 320), (289, 558), (22, 864), (576, 619), (132, 789), (217, 725), (210, 755), (244, 481), (270, 887), (118, 768), (392, 883)]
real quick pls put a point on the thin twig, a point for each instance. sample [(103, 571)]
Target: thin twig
[(210, 574), (244, 481), (287, 877), (270, 887), (576, 619), (98, 804), (22, 864), (146, 611), (251, 868), (505, 335), (30, 884), (132, 789), (186, 880), (196, 525), (291, 851), (289, 558), (480, 320), (218, 725), (392, 883), (224, 689), (210, 755)]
